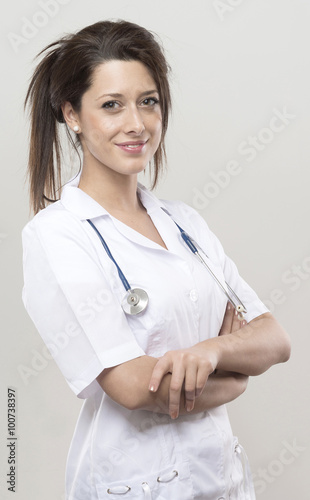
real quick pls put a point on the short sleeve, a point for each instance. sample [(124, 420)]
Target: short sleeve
[(70, 301), (198, 228)]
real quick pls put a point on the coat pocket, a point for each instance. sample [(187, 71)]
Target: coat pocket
[(241, 478), (171, 482)]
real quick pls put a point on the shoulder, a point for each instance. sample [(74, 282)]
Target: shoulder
[(196, 226), (183, 214), (57, 240), (55, 215), (179, 207), (52, 223), (186, 215)]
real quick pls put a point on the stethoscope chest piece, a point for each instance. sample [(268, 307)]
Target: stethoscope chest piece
[(135, 301)]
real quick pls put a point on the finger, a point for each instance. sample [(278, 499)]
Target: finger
[(176, 383), (236, 323), (161, 368), (243, 323), (228, 320), (203, 373), (190, 387)]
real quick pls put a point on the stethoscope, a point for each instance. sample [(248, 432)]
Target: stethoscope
[(136, 299)]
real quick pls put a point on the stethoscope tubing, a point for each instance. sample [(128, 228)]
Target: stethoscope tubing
[(133, 294), (240, 308), (120, 272)]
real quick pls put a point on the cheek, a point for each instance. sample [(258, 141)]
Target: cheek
[(98, 133), (153, 123), (157, 130)]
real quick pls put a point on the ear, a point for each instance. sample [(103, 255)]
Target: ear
[(71, 117)]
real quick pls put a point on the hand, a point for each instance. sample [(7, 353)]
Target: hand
[(231, 322), (190, 369)]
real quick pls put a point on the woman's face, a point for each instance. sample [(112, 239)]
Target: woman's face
[(120, 118)]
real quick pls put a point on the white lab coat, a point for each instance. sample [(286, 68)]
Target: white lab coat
[(73, 294)]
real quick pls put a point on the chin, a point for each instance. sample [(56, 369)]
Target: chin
[(131, 168)]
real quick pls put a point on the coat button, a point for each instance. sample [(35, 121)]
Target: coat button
[(193, 295)]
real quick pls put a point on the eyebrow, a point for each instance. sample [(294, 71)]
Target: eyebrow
[(147, 92)]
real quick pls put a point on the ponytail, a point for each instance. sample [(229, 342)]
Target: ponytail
[(44, 167)]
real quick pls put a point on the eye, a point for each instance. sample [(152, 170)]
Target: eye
[(110, 105), (150, 101)]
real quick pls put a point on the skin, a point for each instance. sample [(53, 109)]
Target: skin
[(183, 380), (128, 383), (110, 175), (249, 350)]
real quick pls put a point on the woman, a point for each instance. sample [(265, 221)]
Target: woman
[(155, 382)]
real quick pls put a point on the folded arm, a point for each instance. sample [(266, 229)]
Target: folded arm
[(253, 349), (206, 375), (249, 349), (128, 385), (189, 386)]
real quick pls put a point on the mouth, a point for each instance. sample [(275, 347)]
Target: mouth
[(132, 146)]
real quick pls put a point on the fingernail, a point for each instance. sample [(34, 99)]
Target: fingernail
[(174, 414), (228, 306), (152, 388), (189, 406), (236, 312)]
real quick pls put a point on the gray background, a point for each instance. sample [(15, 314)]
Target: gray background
[(236, 65)]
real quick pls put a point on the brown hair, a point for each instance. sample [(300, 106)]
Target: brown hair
[(64, 74)]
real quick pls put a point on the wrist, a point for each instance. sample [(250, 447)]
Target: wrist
[(213, 350)]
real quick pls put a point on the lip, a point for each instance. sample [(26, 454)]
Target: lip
[(132, 147)]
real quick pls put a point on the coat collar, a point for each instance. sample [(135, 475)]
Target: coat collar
[(85, 207)]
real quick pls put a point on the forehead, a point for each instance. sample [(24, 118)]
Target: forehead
[(122, 77)]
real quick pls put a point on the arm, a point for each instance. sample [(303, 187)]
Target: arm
[(253, 349), (249, 349), (128, 385)]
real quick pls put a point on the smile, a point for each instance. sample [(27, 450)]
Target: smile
[(132, 147)]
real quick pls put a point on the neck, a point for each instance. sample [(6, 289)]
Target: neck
[(114, 191)]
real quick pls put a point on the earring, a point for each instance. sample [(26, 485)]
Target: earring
[(76, 128)]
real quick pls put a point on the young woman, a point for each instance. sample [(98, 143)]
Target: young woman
[(141, 329)]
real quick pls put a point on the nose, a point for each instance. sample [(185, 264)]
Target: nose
[(134, 121)]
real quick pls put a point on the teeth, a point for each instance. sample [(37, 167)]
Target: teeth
[(133, 146)]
